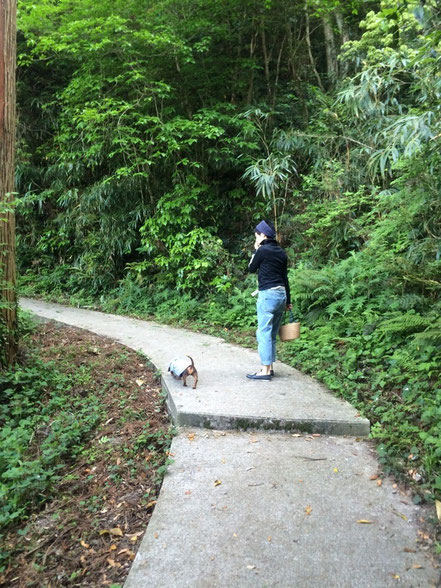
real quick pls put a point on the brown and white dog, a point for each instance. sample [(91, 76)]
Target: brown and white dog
[(180, 369)]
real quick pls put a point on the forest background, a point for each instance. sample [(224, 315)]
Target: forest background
[(154, 134)]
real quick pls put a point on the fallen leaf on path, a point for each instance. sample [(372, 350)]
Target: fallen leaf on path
[(335, 470), (112, 547), (316, 435), (234, 534), (254, 441), (409, 550), (423, 535), (438, 509), (395, 576), (417, 566), (374, 477), (217, 482), (400, 515), (150, 504), (296, 435), (86, 545), (113, 563), (188, 492), (365, 522), (155, 535), (251, 567), (308, 510), (116, 531), (379, 482), (190, 436), (269, 539)]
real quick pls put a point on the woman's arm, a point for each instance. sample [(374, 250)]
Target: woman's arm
[(255, 262), (287, 288)]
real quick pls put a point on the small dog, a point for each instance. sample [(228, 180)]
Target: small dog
[(180, 370)]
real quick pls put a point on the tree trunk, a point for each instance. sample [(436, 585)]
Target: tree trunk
[(8, 300), (344, 36), (308, 44), (343, 29), (266, 59), (331, 54), (251, 82)]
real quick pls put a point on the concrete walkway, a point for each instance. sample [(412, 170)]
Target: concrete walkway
[(288, 503)]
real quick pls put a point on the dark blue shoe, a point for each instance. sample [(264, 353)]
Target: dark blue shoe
[(256, 377)]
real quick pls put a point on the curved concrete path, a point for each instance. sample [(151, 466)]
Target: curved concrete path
[(224, 398), (263, 509)]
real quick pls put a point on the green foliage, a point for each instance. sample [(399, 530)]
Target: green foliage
[(180, 254), (43, 426), (5, 334), (333, 227), (124, 134), (270, 175)]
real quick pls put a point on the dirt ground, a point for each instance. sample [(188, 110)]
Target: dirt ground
[(87, 534)]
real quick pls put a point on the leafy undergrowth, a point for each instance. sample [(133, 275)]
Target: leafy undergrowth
[(84, 459)]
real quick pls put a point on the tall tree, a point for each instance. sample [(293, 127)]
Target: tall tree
[(8, 301)]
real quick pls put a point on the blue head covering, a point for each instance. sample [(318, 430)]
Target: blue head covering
[(267, 228)]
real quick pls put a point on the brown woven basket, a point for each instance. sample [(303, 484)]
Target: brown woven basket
[(289, 331)]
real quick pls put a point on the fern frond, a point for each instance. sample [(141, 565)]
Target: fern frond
[(406, 361), (406, 323), (432, 335)]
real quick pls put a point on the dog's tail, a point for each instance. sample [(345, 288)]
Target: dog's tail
[(192, 362)]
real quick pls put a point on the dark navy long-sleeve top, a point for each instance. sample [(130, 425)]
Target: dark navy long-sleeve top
[(271, 263)]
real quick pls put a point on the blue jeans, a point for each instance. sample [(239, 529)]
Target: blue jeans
[(270, 307)]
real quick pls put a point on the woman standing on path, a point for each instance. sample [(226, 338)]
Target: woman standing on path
[(271, 263)]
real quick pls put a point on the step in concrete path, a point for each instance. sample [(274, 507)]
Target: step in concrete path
[(264, 509), (224, 398)]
